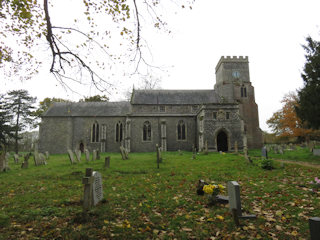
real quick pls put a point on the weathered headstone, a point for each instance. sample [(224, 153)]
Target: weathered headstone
[(194, 152), (71, 157), (25, 163), (264, 152), (126, 153), (316, 151), (16, 158), (206, 152), (47, 155), (236, 147), (97, 188), (87, 196), (94, 155), (98, 154), (234, 197), (314, 226), (235, 202), (78, 155), (87, 153), (93, 192), (42, 159), (107, 162), (123, 153), (180, 152)]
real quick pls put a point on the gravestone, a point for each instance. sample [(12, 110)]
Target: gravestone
[(234, 197), (264, 152), (97, 188), (98, 154), (42, 159), (94, 155), (180, 153), (87, 154), (71, 157), (314, 226), (47, 155), (194, 152), (235, 202), (16, 158), (78, 155), (123, 154), (107, 162), (126, 153), (316, 151), (206, 152), (25, 163), (93, 192), (236, 147)]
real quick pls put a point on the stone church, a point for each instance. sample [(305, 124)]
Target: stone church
[(223, 118)]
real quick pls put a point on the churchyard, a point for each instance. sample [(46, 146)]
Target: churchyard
[(142, 201)]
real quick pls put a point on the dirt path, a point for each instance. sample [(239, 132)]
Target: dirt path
[(313, 165)]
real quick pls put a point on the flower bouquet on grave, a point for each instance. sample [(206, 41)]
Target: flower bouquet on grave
[(315, 184), (213, 190)]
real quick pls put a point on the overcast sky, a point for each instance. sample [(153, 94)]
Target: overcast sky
[(269, 32)]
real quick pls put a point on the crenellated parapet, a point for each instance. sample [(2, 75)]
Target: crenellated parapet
[(232, 59)]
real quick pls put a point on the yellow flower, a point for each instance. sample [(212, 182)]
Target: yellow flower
[(220, 217)]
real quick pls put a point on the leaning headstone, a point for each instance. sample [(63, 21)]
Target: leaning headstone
[(16, 158), (314, 226), (87, 153), (264, 152), (94, 155), (78, 155), (107, 162), (123, 154), (71, 157), (316, 152)]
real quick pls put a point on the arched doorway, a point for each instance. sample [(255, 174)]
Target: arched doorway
[(222, 141)]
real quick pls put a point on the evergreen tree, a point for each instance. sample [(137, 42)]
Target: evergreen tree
[(308, 109), (6, 129), (20, 105)]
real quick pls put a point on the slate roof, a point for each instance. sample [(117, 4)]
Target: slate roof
[(90, 109), (173, 97)]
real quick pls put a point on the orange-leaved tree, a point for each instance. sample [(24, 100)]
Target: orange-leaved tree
[(286, 123)]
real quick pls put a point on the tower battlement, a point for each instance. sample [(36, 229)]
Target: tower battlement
[(226, 59)]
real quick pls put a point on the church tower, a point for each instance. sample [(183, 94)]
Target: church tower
[(233, 86)]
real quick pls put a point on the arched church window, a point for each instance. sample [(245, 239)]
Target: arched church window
[(181, 130), (146, 131), (95, 132), (119, 132), (243, 91)]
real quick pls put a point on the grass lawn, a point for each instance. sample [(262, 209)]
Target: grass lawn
[(143, 202), (300, 155)]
